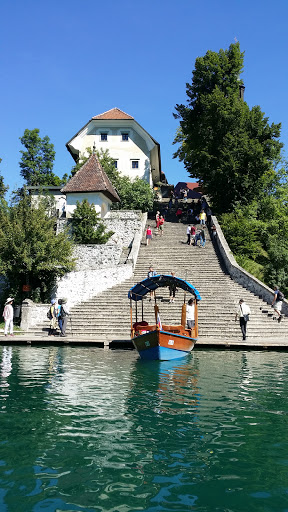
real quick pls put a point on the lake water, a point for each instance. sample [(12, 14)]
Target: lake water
[(83, 429)]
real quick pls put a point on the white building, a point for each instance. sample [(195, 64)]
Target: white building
[(134, 151)]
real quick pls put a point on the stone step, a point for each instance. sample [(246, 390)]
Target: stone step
[(201, 267)]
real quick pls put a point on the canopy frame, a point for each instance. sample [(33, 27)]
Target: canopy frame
[(139, 290)]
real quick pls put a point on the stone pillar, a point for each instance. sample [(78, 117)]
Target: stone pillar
[(26, 314)]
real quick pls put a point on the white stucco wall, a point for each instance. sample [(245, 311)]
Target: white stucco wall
[(137, 148), (59, 198), (101, 202)]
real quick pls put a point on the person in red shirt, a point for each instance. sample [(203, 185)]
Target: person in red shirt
[(148, 234), (192, 234), (160, 224)]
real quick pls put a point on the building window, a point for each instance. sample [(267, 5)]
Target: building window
[(125, 136), (116, 164), (135, 164), (103, 137)]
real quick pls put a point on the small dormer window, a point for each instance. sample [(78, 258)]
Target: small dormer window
[(103, 137), (125, 136)]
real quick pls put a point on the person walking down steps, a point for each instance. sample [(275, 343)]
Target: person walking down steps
[(243, 312)]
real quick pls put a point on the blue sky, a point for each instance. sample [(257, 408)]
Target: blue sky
[(62, 62)]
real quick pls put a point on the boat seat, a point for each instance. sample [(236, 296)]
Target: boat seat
[(176, 329)]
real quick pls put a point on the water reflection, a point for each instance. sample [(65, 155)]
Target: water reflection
[(89, 430)]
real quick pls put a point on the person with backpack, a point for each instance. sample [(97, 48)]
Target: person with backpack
[(63, 314), (52, 315), (277, 302)]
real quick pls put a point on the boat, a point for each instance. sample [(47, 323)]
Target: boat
[(159, 341)]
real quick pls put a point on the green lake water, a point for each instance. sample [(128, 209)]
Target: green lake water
[(83, 429)]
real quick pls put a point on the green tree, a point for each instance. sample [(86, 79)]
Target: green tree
[(134, 194), (229, 148), (30, 250), (3, 188), (87, 225), (38, 159)]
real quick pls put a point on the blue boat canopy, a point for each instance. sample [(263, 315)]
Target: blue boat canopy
[(149, 284)]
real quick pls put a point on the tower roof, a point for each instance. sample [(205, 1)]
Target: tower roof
[(91, 178)]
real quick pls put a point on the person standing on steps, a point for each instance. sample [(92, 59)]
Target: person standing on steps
[(202, 217), (188, 232), (193, 233), (277, 302), (148, 234), (151, 273), (202, 237), (160, 224), (243, 312), (157, 218), (8, 314), (172, 289)]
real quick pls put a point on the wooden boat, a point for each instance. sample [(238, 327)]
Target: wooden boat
[(162, 341)]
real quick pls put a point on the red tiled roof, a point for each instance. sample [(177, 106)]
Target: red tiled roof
[(114, 113), (91, 178)]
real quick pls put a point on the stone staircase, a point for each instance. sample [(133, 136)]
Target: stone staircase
[(107, 316)]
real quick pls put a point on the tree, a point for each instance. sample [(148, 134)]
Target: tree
[(229, 148), (30, 251), (37, 161), (87, 225), (134, 194), (3, 188)]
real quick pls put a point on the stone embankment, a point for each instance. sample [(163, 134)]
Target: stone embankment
[(106, 316)]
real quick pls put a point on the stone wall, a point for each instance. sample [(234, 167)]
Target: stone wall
[(93, 257), (124, 223), (82, 285), (33, 314), (240, 275)]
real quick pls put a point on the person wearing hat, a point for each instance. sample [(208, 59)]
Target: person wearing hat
[(63, 314), (8, 314), (243, 312)]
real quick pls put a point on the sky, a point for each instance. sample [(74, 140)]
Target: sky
[(63, 62)]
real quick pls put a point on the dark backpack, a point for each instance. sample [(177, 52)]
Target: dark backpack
[(63, 313), (49, 314), (280, 295)]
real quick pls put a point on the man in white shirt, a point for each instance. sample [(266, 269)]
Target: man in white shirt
[(190, 314), (243, 312), (188, 235)]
